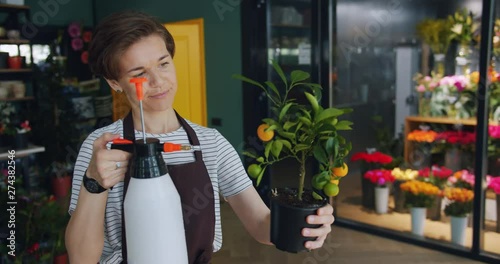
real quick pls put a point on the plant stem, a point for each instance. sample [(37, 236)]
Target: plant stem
[(302, 175)]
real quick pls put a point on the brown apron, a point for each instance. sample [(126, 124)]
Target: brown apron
[(197, 197)]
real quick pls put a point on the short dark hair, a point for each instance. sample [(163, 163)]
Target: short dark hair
[(116, 33)]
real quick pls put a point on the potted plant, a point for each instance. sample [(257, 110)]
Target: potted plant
[(381, 179), (299, 130), (418, 197), (61, 178), (458, 208)]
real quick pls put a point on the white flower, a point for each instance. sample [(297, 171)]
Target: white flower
[(457, 29)]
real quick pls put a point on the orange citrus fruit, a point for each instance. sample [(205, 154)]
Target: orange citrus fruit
[(254, 170), (264, 135), (341, 171), (331, 189), (336, 182)]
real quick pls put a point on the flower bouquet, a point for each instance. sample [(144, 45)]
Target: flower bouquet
[(421, 140), (458, 147), (436, 175), (419, 196), (372, 159), (381, 179), (459, 205), (400, 177), (425, 85)]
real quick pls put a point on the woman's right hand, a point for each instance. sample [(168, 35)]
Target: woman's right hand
[(103, 166)]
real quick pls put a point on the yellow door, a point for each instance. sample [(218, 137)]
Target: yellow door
[(189, 60)]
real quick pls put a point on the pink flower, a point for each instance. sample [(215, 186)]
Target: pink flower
[(77, 44), (381, 181), (433, 85), (421, 88), (427, 78), (494, 131), (446, 81), (74, 30), (452, 180)]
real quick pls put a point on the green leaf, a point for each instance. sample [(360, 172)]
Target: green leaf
[(328, 113), (320, 154), (298, 76), (278, 70), (284, 110), (274, 89), (343, 125), (271, 128), (270, 121), (276, 149), (269, 145), (286, 143), (259, 178), (330, 144), (300, 147), (288, 135), (248, 80), (306, 113), (289, 124), (249, 154), (305, 121), (347, 110), (313, 101)]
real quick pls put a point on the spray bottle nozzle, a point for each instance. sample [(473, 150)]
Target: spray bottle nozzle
[(138, 87)]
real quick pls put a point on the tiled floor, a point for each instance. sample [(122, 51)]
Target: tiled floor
[(342, 246)]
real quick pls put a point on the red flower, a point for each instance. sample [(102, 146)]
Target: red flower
[(375, 157), (85, 57), (379, 177), (87, 36), (438, 172)]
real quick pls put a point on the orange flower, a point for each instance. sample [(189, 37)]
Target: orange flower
[(422, 136), (460, 195)]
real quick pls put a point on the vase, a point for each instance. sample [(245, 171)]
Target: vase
[(439, 65), (424, 104), (21, 141), (399, 198), (462, 60), (434, 212), (61, 186), (381, 199), (458, 227), (418, 220)]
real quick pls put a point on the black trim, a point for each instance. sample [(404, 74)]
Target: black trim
[(482, 127)]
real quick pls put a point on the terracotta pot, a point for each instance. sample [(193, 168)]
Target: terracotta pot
[(61, 186), (15, 62), (61, 259)]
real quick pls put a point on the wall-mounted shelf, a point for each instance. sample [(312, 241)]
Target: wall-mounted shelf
[(9, 7), (15, 70), (27, 98), (14, 41)]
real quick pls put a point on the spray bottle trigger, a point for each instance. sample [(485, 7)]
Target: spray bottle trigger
[(123, 144)]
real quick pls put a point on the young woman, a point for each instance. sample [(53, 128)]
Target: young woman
[(132, 44)]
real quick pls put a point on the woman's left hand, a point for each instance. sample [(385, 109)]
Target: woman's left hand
[(325, 218)]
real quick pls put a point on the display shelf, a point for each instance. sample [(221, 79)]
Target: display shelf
[(14, 41), (27, 98), (15, 70), (413, 122), (20, 153)]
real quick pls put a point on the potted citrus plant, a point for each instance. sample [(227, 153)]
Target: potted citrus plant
[(299, 128)]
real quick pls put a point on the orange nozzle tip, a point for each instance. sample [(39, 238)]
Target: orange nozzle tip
[(170, 147), (138, 80), (122, 141), (138, 86)]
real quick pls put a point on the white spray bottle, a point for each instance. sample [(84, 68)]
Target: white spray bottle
[(152, 206)]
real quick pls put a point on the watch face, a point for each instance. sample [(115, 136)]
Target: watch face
[(92, 185)]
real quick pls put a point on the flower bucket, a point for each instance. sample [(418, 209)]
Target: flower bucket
[(399, 198), (418, 220), (21, 141), (381, 199), (424, 104), (367, 193), (462, 60), (458, 227), (439, 63)]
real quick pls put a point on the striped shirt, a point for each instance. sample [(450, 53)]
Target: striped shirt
[(223, 164)]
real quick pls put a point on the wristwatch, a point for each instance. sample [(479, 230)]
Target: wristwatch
[(92, 185)]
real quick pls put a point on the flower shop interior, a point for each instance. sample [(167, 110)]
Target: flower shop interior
[(425, 123)]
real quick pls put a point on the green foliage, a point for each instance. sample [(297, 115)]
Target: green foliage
[(458, 209), (419, 200), (462, 27), (301, 130)]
